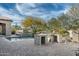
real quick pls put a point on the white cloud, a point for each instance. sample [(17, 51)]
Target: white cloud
[(23, 10), (32, 10), (9, 13)]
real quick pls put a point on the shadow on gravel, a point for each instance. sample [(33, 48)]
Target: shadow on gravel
[(77, 52)]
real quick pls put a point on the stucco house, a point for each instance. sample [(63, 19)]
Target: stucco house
[(5, 26), (46, 38), (42, 38)]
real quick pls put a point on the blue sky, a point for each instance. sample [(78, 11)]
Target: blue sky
[(17, 12)]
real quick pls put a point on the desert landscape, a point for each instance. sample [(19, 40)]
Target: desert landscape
[(37, 29)]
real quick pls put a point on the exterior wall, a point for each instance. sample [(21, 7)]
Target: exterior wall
[(75, 37), (70, 33), (8, 26), (37, 38), (48, 37), (59, 38), (72, 37)]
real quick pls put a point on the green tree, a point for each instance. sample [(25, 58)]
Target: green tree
[(59, 24), (54, 24), (34, 23)]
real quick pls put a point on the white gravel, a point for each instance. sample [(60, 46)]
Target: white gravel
[(28, 48)]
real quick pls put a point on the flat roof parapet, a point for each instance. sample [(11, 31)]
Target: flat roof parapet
[(5, 18)]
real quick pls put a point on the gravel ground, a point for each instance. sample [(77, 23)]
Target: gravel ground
[(28, 48)]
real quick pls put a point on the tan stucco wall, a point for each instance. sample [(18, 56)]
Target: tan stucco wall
[(75, 37), (38, 39), (8, 26)]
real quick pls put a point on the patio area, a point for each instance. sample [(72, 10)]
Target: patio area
[(27, 47)]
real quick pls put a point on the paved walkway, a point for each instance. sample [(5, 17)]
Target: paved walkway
[(27, 48)]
